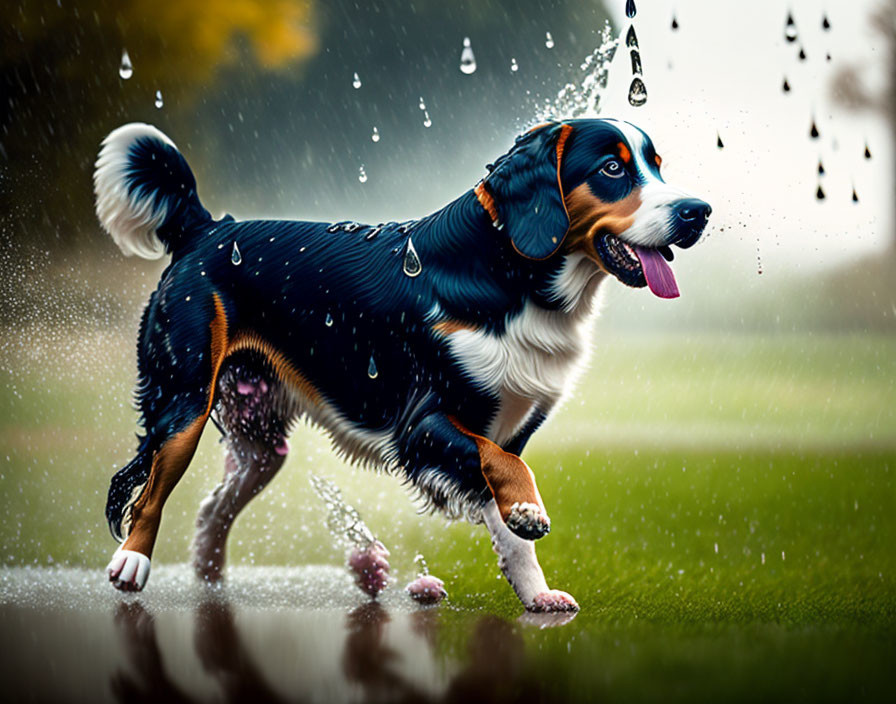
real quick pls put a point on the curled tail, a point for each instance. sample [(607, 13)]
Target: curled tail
[(145, 192)]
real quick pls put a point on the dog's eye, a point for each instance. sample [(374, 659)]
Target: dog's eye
[(613, 169)]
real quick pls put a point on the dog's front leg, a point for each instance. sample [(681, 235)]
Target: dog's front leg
[(517, 560)]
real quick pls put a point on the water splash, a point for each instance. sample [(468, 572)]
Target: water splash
[(790, 33), (582, 99), (421, 561), (630, 9), (375, 137), (356, 81), (514, 66), (126, 69), (467, 59), (427, 120), (159, 102), (362, 174), (548, 40), (412, 265), (637, 92), (371, 368), (343, 521), (328, 321), (235, 257)]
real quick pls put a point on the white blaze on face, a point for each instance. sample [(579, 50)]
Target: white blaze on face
[(653, 218)]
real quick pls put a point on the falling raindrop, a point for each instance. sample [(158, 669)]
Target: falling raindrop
[(362, 174), (371, 369), (548, 40), (427, 122), (819, 194), (376, 135), (637, 92), (514, 66), (813, 132), (412, 266), (674, 23), (820, 168), (855, 196), (790, 29), (126, 70), (867, 152), (786, 85), (636, 63), (802, 54), (630, 9), (631, 39), (235, 257), (467, 60), (356, 81), (159, 102), (328, 321), (421, 105), (827, 57), (825, 23), (719, 143)]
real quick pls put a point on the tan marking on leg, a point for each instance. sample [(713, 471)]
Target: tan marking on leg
[(281, 366), (509, 478), (171, 460)]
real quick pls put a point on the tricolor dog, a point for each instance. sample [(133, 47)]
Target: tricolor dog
[(432, 348)]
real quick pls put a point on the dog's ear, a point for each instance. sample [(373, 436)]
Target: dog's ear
[(528, 194)]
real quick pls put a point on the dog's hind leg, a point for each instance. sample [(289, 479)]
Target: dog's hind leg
[(247, 470), (180, 362)]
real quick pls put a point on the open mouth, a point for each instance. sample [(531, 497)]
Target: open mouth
[(639, 266)]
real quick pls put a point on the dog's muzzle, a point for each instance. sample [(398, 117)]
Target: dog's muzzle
[(689, 219)]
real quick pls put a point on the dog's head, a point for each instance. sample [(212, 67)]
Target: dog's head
[(594, 186)]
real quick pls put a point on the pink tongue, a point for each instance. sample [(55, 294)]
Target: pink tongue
[(657, 272)]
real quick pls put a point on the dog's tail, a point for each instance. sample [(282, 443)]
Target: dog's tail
[(145, 192)]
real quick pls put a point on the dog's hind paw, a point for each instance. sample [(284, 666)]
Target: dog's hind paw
[(128, 570), (553, 601), (528, 521)]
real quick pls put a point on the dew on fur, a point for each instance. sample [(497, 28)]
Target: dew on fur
[(412, 265), (235, 257), (371, 368), (467, 59), (328, 321)]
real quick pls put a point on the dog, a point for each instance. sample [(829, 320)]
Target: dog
[(432, 348)]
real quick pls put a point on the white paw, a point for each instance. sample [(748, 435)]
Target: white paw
[(553, 601), (528, 521), (128, 570)]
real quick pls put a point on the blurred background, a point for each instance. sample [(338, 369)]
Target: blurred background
[(728, 457)]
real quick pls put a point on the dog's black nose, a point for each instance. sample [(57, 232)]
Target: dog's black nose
[(691, 209)]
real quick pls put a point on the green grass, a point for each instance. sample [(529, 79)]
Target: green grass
[(724, 510)]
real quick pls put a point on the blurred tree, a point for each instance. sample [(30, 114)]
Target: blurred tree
[(59, 76)]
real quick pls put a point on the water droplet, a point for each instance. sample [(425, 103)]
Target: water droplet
[(631, 39), (786, 85), (235, 257), (813, 132), (356, 81), (126, 70), (548, 40), (514, 66), (630, 9), (159, 102), (362, 174), (867, 152), (802, 54), (855, 196), (467, 59), (412, 266), (719, 143), (827, 57), (371, 369), (637, 92), (819, 194), (328, 321), (790, 29), (820, 168), (674, 23), (636, 63), (427, 121), (421, 105), (825, 23), (375, 137)]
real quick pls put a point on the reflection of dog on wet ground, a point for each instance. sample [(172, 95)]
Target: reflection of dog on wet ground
[(433, 348)]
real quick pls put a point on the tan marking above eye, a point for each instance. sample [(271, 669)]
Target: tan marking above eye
[(659, 160), (589, 217), (624, 152)]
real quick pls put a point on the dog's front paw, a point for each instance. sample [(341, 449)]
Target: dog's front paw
[(128, 570), (528, 521), (553, 601)]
